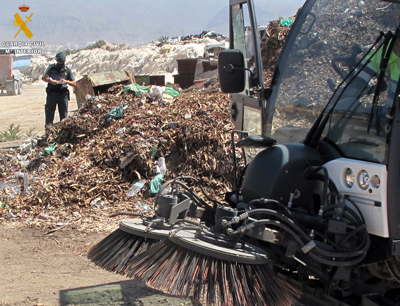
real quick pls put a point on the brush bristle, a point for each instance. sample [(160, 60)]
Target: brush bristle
[(181, 272), (116, 250)]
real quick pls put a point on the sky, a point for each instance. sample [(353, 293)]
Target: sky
[(134, 22)]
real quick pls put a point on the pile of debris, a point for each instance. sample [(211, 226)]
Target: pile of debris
[(86, 165), (271, 46)]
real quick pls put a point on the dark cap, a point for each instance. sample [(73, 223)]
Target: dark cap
[(61, 57)]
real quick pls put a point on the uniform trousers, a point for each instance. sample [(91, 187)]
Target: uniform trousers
[(54, 99)]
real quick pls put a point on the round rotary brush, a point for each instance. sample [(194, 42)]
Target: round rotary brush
[(133, 236), (211, 268)]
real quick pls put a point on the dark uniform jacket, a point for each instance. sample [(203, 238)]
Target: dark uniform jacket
[(57, 74)]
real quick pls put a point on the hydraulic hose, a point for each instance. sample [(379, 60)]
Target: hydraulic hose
[(201, 187), (193, 195), (296, 232), (315, 249)]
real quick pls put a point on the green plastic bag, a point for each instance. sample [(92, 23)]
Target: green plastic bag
[(117, 112), (171, 92), (286, 22), (136, 88), (155, 183), (48, 150)]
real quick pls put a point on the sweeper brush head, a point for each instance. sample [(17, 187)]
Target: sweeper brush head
[(115, 251), (180, 267)]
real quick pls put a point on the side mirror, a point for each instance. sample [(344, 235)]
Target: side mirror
[(231, 71)]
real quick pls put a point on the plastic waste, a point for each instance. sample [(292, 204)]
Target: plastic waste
[(11, 188), (172, 92), (61, 223), (11, 216), (95, 201), (143, 207), (90, 98), (26, 146), (161, 165), (156, 93), (139, 205), (155, 183), (188, 115), (24, 163), (16, 190), (286, 22), (147, 208), (19, 175), (136, 187), (153, 152), (121, 131), (136, 88), (49, 150), (26, 183), (116, 112), (98, 202)]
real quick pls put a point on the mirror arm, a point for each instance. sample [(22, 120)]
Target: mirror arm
[(230, 68)]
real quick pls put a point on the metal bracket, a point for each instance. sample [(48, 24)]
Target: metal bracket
[(395, 247), (265, 234), (177, 209)]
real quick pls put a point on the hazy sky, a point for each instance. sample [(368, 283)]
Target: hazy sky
[(125, 21)]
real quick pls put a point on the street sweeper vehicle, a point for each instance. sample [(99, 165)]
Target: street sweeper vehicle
[(314, 215)]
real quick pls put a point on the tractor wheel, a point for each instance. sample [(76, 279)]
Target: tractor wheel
[(20, 87)]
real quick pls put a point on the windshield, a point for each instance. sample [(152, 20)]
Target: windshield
[(327, 41)]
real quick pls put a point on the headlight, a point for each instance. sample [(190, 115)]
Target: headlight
[(363, 179), (349, 178), (375, 181)]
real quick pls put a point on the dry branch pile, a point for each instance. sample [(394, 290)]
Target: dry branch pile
[(95, 161), (271, 46)]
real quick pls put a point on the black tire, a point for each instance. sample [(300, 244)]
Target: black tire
[(15, 88), (20, 87)]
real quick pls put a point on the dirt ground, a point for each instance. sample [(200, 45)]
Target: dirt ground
[(27, 109), (51, 269)]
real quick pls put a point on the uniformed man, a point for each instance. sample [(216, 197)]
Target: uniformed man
[(393, 67), (58, 76), (359, 86), (373, 69)]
